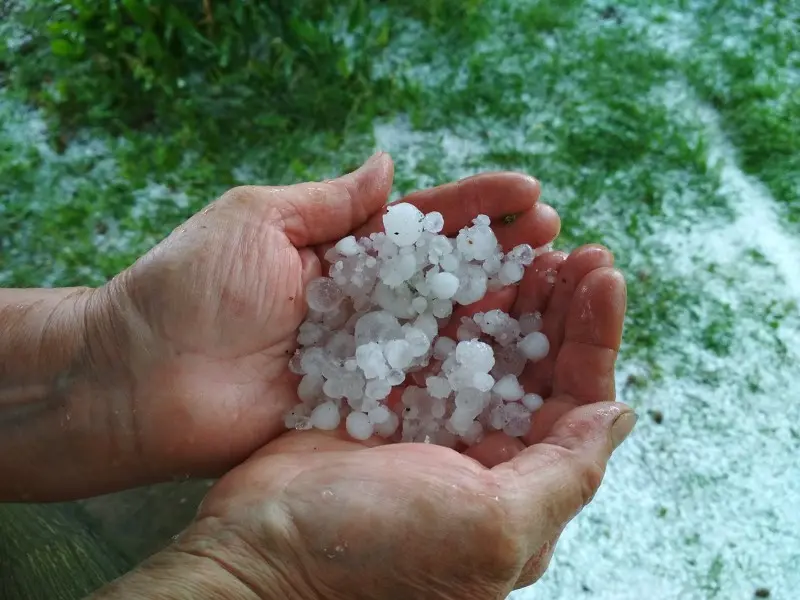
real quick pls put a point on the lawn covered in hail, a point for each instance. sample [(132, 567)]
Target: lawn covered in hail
[(669, 131)]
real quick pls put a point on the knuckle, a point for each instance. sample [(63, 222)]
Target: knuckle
[(238, 195), (536, 566), (587, 477)]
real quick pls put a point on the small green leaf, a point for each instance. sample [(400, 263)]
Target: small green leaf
[(149, 46), (62, 47), (139, 12)]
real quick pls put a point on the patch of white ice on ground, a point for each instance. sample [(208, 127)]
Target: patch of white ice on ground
[(410, 149), (704, 505)]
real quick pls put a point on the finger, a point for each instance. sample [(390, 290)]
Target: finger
[(546, 417), (538, 378), (494, 449), (319, 212), (538, 226), (547, 484), (537, 284), (493, 194), (584, 367)]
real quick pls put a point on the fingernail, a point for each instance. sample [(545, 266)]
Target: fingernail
[(622, 427)]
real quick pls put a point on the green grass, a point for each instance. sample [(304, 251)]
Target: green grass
[(587, 111), (100, 158)]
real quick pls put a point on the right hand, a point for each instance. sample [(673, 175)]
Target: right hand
[(326, 517)]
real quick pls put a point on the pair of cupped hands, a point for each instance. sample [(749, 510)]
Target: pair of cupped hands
[(210, 317)]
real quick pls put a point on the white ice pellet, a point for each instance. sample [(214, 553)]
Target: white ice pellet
[(461, 378), (472, 285), (508, 388), (449, 263), (358, 426), (483, 382), (471, 400), (532, 402), (341, 345), (530, 322), (398, 354), (534, 346), (310, 388), (473, 434), (433, 222), (523, 254), (497, 418), (298, 418), (313, 360), (438, 408), (371, 361), (477, 242), (374, 324), (511, 272), (442, 309), (443, 347), (438, 387), (418, 341), (444, 285), (440, 246), (396, 377), (377, 389), (475, 355), (492, 264), (428, 325), (378, 415), (348, 246), (403, 223), (461, 419), (323, 294), (377, 326), (388, 427), (310, 333), (333, 388), (325, 416), (518, 420)]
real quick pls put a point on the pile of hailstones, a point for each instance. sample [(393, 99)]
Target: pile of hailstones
[(374, 324)]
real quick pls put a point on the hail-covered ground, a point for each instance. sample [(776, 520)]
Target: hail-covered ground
[(668, 131)]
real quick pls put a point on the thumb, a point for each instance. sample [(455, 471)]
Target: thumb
[(550, 482), (319, 212)]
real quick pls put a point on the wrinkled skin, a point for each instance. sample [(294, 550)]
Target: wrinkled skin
[(219, 303), (211, 313)]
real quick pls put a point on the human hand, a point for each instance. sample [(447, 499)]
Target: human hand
[(210, 315), (327, 517)]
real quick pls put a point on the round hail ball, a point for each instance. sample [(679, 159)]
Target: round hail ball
[(403, 224)]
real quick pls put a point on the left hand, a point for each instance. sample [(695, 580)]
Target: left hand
[(209, 316)]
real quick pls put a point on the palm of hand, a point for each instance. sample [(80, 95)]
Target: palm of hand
[(344, 503), (221, 298), (347, 509), (219, 303)]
